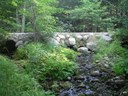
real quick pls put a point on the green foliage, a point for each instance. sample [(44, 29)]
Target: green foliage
[(70, 54), (116, 55), (57, 66), (122, 35), (91, 16), (110, 50), (14, 83), (40, 14), (121, 64), (2, 38), (48, 61)]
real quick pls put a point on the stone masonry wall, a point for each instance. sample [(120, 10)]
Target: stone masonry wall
[(82, 42), (78, 41)]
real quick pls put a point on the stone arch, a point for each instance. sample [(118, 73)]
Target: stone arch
[(10, 47)]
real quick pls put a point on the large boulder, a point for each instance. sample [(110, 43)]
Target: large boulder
[(91, 46), (55, 42), (58, 39), (78, 37), (72, 41), (83, 50), (85, 37), (107, 38), (61, 37), (19, 43)]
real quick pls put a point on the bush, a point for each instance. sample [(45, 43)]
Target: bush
[(116, 53), (14, 83), (46, 61), (122, 35), (70, 54), (106, 49), (2, 39), (121, 64), (57, 66)]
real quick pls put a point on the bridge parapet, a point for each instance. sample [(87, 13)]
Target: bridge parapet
[(74, 39)]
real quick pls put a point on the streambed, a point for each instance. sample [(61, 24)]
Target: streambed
[(94, 80)]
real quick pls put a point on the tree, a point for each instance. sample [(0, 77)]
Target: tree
[(40, 16), (7, 14), (90, 16)]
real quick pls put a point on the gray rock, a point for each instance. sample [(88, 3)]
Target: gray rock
[(55, 42), (78, 37), (67, 35), (91, 46), (58, 39), (72, 41), (83, 50), (19, 43), (95, 73), (106, 38), (85, 37), (82, 85), (61, 37), (66, 85)]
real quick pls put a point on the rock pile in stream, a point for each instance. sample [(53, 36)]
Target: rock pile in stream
[(93, 80)]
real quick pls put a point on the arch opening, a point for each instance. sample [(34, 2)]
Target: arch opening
[(9, 47)]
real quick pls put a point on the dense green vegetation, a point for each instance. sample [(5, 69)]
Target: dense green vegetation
[(44, 61), (35, 63), (13, 82)]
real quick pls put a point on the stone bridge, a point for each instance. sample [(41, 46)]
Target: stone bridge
[(78, 41)]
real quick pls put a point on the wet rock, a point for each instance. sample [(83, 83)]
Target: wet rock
[(88, 66), (91, 79), (125, 93), (81, 85), (116, 82), (106, 65), (87, 92), (70, 92), (69, 78), (97, 61), (79, 78), (66, 85), (95, 73), (119, 81)]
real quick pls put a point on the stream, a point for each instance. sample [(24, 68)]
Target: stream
[(94, 80)]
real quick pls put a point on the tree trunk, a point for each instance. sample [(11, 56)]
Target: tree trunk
[(35, 29), (17, 21), (23, 19)]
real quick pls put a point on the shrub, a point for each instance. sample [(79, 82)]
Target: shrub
[(109, 49), (70, 54), (14, 83), (48, 61), (116, 54), (121, 64), (2, 39), (57, 66)]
